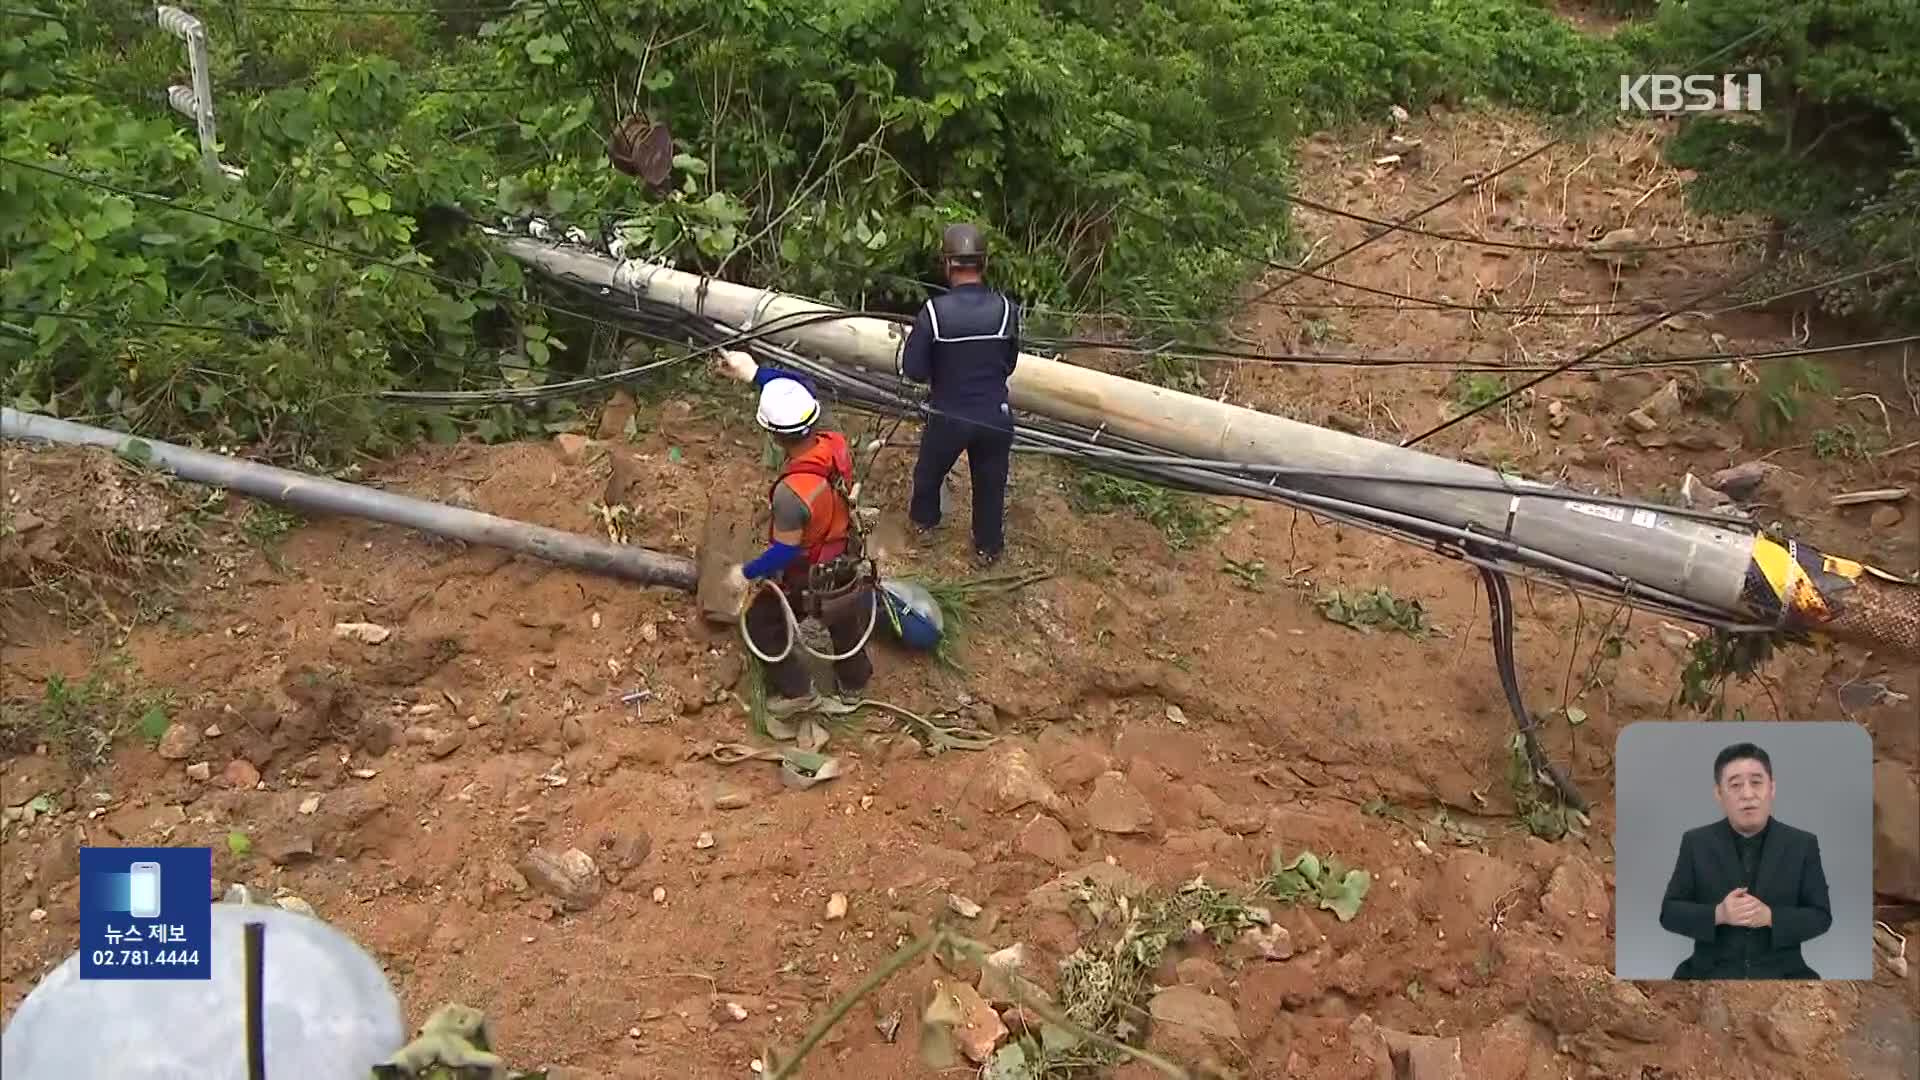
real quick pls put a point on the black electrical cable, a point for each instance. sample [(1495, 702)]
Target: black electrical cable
[(719, 337), (1475, 241), (255, 959), (1500, 609), (1265, 359), (1201, 353), (1434, 302), (1617, 340), (1312, 271), (1446, 538)]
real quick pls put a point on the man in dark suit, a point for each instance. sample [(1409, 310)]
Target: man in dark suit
[(1748, 890)]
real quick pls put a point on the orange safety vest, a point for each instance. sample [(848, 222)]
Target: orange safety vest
[(809, 472)]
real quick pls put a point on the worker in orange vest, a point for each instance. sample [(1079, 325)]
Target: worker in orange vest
[(813, 552)]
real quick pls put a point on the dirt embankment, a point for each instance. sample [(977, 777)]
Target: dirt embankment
[(1162, 715)]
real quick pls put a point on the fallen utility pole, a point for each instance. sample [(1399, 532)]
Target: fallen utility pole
[(321, 495), (1730, 567)]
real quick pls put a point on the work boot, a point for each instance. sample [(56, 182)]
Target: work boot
[(984, 559)]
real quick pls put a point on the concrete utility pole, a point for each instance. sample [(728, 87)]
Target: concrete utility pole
[(1728, 567), (324, 495)]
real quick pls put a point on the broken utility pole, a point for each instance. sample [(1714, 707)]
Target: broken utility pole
[(1727, 567)]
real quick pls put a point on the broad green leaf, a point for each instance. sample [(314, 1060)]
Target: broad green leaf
[(1057, 1040), (359, 207), (1308, 865), (154, 723), (1344, 896), (40, 804), (238, 843), (1008, 1063), (117, 214)]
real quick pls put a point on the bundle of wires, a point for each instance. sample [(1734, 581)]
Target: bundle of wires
[(888, 396)]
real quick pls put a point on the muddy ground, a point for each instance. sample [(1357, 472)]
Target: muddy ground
[(399, 788)]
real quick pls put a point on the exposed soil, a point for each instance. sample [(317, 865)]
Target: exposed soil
[(490, 722)]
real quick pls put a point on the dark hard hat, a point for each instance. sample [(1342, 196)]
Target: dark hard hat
[(963, 242)]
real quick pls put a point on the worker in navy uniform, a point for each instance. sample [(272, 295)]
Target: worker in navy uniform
[(964, 344), (1747, 889)]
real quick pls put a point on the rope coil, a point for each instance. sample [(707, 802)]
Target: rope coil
[(793, 626)]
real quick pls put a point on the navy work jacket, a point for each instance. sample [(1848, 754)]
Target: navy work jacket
[(965, 343)]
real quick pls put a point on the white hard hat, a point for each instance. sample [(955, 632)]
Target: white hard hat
[(787, 408)]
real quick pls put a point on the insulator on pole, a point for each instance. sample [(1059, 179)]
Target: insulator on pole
[(178, 22), (183, 101)]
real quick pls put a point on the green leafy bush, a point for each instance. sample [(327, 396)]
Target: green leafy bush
[(1835, 147), (1122, 156)]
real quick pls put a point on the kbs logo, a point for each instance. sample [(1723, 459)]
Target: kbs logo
[(1690, 93)]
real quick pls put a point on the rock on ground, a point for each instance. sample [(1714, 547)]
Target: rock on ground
[(1047, 840), (1011, 780), (1116, 806), (178, 742), (1797, 1023), (1896, 832), (1576, 901), (1060, 894), (1398, 1055), (1574, 998), (1192, 1027), (569, 877)]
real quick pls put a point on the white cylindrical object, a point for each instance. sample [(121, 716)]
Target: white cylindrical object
[(181, 98), (324, 495), (178, 22)]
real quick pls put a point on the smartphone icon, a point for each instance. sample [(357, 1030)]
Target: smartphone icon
[(143, 890)]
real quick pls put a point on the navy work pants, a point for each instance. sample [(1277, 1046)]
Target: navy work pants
[(989, 449)]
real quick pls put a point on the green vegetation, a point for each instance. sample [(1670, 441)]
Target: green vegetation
[(1185, 520), (1124, 157), (1837, 145), (1377, 607), (84, 719)]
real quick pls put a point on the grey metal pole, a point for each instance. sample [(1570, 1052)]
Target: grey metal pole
[(1728, 568), (322, 495)]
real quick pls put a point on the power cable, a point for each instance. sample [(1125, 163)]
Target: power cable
[(1311, 271), (720, 336), (1476, 241), (1556, 141), (1426, 301), (1617, 340), (1204, 353)]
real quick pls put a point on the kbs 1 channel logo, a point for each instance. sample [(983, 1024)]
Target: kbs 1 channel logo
[(1689, 93), (146, 913)]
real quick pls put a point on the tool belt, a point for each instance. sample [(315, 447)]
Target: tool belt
[(831, 583)]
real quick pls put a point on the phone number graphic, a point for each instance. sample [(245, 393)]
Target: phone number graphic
[(144, 957)]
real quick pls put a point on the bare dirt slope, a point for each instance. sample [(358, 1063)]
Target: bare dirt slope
[(399, 788)]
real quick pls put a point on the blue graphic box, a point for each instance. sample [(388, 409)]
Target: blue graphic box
[(146, 913)]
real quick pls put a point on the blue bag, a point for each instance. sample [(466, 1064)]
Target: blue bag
[(912, 614)]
